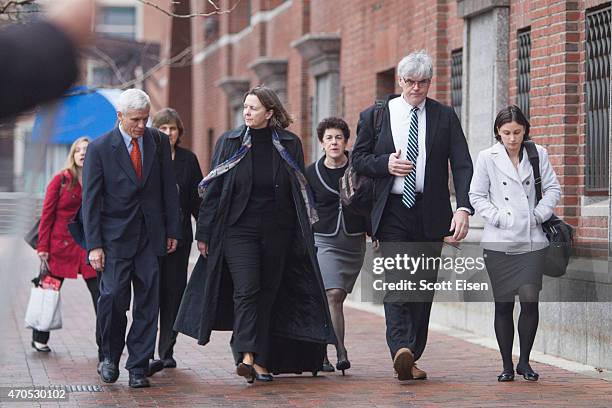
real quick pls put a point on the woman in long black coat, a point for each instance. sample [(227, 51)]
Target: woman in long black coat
[(258, 273), (173, 267)]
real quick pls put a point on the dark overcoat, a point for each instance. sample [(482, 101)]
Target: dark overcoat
[(300, 324)]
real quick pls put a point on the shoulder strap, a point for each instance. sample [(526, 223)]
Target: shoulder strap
[(534, 159), (378, 117)]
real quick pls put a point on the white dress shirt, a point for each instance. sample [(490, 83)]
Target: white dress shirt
[(400, 113)]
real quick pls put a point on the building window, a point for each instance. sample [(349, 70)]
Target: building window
[(322, 108), (456, 81), (523, 66), (597, 100), (117, 22), (385, 83), (211, 147)]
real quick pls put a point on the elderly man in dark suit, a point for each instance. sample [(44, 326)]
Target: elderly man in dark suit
[(131, 217), (405, 145)]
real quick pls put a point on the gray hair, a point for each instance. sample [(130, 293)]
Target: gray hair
[(133, 99), (417, 65)]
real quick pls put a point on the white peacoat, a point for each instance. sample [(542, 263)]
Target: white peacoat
[(505, 197)]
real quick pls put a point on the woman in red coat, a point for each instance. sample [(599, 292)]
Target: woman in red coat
[(55, 244)]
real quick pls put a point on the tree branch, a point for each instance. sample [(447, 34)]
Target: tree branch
[(177, 59), (109, 61), (5, 6), (212, 13)]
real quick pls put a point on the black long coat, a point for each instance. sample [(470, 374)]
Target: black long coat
[(301, 326)]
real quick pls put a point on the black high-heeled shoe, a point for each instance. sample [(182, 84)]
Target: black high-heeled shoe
[(247, 371), (343, 365), (505, 376), (527, 373)]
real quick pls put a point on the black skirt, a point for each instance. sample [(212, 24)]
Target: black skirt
[(508, 272)]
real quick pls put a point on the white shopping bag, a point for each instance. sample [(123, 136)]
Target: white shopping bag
[(44, 311)]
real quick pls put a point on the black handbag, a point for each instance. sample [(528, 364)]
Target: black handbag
[(31, 237), (559, 233), (356, 190)]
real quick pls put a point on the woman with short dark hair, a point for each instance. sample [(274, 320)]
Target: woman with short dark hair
[(340, 233), (173, 266), (258, 273), (503, 193)]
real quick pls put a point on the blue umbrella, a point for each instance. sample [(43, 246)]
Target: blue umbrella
[(82, 111)]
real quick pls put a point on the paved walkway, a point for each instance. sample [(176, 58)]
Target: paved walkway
[(461, 374)]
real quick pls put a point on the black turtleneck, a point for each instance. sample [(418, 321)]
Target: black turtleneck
[(262, 192)]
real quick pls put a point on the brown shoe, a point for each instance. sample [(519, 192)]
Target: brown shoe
[(417, 373), (403, 363)]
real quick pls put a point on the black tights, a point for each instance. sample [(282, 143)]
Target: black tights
[(527, 325), (335, 299)]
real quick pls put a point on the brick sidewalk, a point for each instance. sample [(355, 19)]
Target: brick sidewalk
[(461, 374)]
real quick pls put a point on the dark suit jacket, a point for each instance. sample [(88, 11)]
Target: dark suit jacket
[(329, 207), (38, 63), (444, 142), (115, 202), (227, 144), (188, 175)]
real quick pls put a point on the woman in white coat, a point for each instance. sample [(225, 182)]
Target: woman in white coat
[(503, 193)]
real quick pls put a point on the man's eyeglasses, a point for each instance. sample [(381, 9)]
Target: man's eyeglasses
[(422, 83)]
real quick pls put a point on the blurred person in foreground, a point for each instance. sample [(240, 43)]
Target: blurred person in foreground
[(40, 58)]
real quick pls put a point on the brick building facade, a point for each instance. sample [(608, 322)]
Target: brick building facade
[(336, 57)]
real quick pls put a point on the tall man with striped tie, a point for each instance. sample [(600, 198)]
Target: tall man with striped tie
[(406, 145), (130, 217)]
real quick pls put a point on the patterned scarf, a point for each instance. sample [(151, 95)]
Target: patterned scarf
[(230, 163)]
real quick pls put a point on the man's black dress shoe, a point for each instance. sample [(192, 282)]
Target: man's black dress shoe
[(109, 372), (169, 362), (527, 373), (264, 377), (138, 380), (505, 376), (154, 367)]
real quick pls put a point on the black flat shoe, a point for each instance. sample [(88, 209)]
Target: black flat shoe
[(327, 367), (169, 362), (264, 377), (139, 381), (342, 365), (155, 366), (42, 349), (528, 373), (247, 371), (505, 376), (109, 372)]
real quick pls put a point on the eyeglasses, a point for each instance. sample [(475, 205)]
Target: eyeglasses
[(411, 83)]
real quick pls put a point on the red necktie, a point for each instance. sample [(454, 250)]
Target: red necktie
[(136, 158)]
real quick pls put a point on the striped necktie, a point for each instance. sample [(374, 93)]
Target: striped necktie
[(412, 152)]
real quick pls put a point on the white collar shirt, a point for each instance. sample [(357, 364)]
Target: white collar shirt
[(400, 113)]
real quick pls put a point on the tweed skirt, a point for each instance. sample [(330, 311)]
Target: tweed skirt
[(340, 259)]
